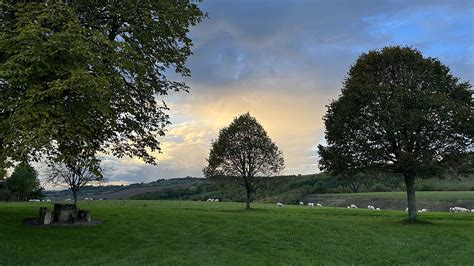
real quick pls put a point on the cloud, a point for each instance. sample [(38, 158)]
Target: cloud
[(283, 61)]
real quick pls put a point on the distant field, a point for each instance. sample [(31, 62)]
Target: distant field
[(201, 233), (425, 195)]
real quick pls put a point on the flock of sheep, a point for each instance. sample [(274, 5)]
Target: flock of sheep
[(48, 200), (38, 200), (373, 208), (310, 204)]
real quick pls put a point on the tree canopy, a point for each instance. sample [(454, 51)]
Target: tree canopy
[(399, 112), (78, 78), (23, 181), (245, 152)]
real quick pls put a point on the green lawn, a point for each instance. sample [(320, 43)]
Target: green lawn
[(171, 232)]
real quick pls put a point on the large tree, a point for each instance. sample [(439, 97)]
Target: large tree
[(78, 78), (399, 112), (244, 152)]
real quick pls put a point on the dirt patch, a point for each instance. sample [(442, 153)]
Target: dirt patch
[(37, 222)]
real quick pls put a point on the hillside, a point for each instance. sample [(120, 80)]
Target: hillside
[(290, 190), (126, 191)]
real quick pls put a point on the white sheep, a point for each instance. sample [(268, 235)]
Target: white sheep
[(472, 210), (280, 205), (319, 205), (348, 207), (377, 209), (310, 204), (370, 207), (301, 203), (353, 206), (458, 209), (210, 200), (34, 200), (216, 200)]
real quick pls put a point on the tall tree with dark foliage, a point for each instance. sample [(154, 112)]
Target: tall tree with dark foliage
[(245, 153), (399, 112), (78, 78)]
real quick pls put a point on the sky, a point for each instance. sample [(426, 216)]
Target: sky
[(284, 61)]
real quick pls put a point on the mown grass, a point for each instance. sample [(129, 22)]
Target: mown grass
[(190, 233)]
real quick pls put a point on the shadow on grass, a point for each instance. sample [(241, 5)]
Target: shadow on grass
[(417, 222), (251, 210)]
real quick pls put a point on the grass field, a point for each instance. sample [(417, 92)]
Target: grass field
[(190, 233), (425, 195), (431, 200)]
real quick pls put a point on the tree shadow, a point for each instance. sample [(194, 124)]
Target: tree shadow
[(251, 210), (417, 222)]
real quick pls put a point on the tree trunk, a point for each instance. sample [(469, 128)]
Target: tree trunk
[(410, 184), (247, 204), (74, 196)]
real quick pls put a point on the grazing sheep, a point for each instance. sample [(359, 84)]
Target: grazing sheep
[(319, 205), (210, 200), (34, 200), (216, 200), (377, 209), (348, 207), (370, 207), (472, 210), (310, 204), (353, 206), (280, 205), (301, 203), (458, 209), (407, 209)]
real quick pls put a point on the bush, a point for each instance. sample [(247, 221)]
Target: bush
[(320, 187), (379, 187), (339, 189)]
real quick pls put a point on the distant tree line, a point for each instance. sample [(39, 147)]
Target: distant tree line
[(294, 188)]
